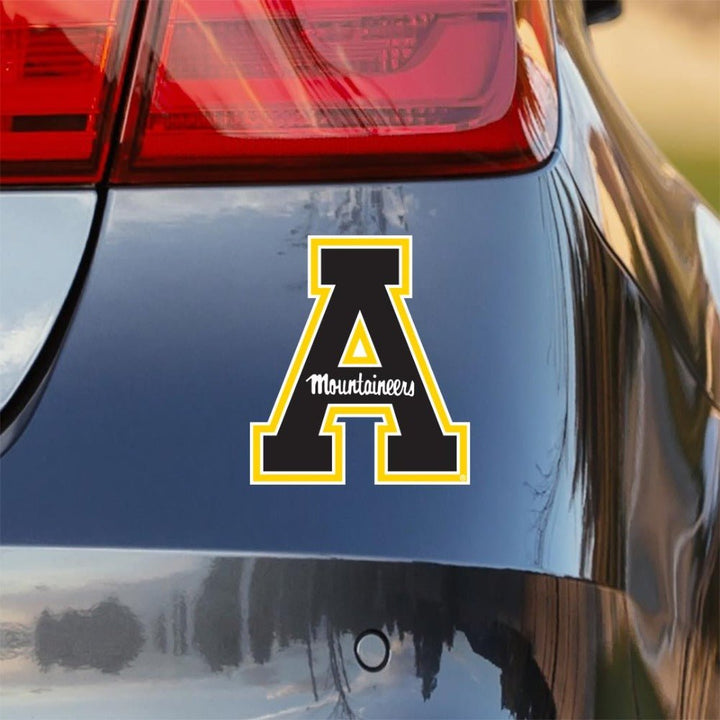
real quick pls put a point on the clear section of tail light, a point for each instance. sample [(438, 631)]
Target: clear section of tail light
[(60, 68), (289, 89)]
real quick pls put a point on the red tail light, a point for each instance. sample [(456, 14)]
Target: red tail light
[(276, 89), (287, 89), (60, 62)]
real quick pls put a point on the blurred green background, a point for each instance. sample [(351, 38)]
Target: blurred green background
[(663, 59)]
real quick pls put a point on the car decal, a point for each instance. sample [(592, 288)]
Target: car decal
[(359, 356)]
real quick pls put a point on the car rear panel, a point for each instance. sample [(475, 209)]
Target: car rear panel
[(193, 306)]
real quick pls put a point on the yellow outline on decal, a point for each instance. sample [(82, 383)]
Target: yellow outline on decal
[(331, 424)]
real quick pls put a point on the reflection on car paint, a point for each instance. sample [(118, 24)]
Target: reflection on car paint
[(275, 635), (643, 208), (39, 257)]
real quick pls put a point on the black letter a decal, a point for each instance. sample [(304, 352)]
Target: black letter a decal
[(359, 355)]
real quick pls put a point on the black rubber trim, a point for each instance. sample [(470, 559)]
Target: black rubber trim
[(133, 53)]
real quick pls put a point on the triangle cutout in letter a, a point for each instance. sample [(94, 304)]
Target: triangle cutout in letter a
[(359, 350)]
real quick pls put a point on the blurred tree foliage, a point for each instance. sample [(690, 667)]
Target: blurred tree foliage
[(663, 59)]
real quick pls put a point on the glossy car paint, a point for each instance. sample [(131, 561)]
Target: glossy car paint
[(39, 257), (122, 634), (568, 315), (645, 211)]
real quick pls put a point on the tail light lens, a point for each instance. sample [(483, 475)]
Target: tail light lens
[(61, 62), (287, 89), (276, 89)]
